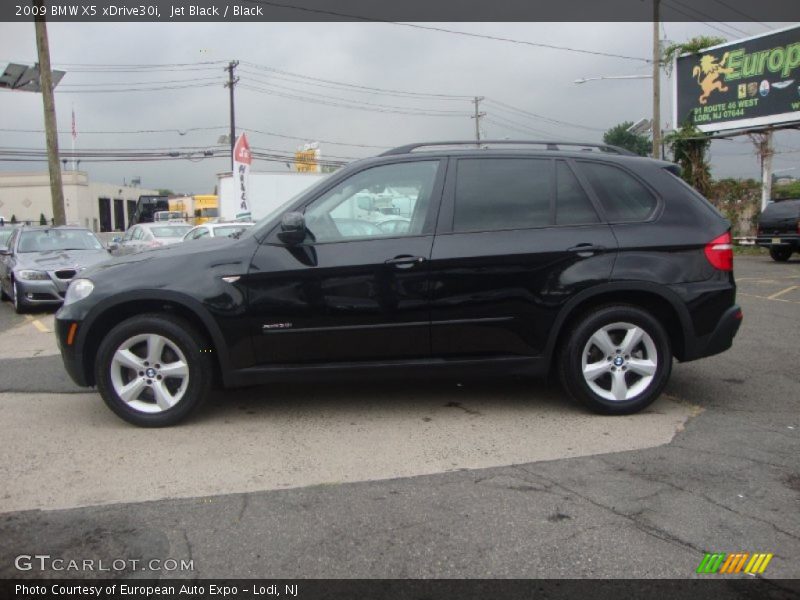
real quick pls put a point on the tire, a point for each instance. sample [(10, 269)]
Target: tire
[(153, 398), (20, 306), (3, 296), (780, 253), (615, 386)]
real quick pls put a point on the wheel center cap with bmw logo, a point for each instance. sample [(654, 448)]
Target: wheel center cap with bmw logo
[(151, 372), (619, 361)]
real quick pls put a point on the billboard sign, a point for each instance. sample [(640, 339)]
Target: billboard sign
[(750, 83)]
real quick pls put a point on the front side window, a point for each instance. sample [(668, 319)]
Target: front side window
[(623, 197), (502, 193), (356, 206)]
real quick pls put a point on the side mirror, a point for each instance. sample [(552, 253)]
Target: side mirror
[(293, 228), (5, 250)]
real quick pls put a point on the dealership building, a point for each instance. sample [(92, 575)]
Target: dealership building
[(96, 206)]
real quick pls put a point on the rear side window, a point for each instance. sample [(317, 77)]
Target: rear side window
[(622, 196), (783, 209), (502, 193), (573, 206)]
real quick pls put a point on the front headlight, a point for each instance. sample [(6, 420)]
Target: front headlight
[(28, 275), (78, 290)]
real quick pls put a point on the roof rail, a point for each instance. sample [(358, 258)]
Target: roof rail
[(548, 144)]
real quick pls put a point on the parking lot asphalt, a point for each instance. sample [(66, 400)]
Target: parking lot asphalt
[(417, 479)]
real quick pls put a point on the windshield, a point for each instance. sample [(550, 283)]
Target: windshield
[(228, 230), (264, 221), (4, 235), (783, 208), (171, 231), (44, 240)]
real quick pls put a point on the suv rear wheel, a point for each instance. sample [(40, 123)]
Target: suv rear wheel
[(151, 370), (616, 360), (780, 253)]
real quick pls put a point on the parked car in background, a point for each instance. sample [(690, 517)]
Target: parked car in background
[(393, 224), (149, 235), (211, 230), (38, 263), (779, 229), (581, 260), (5, 233), (162, 216)]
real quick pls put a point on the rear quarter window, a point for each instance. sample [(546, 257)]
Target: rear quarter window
[(623, 197)]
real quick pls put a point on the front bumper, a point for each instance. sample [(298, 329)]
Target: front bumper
[(41, 291), (69, 346)]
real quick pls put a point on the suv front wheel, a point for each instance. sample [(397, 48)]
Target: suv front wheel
[(151, 370), (616, 360)]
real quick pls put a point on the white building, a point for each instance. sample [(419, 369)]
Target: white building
[(96, 206)]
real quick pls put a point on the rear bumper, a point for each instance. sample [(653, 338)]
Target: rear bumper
[(785, 241), (720, 339)]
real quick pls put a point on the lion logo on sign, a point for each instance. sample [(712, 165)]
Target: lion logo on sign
[(711, 70)]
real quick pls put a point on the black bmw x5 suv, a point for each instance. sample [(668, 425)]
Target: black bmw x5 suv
[(513, 257)]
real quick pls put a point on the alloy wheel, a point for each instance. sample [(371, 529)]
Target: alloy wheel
[(619, 361)]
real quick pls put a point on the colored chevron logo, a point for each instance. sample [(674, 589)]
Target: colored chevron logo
[(721, 563)]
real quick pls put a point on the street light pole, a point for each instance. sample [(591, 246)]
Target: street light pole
[(50, 126), (656, 84), (232, 81)]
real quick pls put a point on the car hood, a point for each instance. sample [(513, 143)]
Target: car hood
[(154, 258), (52, 260)]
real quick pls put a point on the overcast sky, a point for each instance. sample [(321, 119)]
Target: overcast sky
[(376, 55)]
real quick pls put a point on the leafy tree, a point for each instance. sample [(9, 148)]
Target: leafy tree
[(689, 149), (691, 46), (42, 220), (620, 136)]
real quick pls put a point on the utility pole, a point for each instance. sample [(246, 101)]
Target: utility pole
[(656, 84), (478, 114), (232, 81), (50, 127), (763, 144)]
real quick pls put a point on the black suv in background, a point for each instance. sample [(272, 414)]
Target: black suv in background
[(779, 229), (515, 257)]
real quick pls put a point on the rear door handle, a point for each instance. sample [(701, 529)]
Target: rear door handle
[(405, 261), (586, 249)]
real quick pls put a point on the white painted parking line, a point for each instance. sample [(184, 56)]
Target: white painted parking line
[(21, 342), (782, 292)]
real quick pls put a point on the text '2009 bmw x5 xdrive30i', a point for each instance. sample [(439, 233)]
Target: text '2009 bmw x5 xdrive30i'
[(516, 258)]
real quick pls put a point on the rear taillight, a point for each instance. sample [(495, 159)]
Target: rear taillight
[(719, 252)]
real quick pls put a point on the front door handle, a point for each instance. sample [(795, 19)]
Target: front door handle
[(405, 261), (586, 249)]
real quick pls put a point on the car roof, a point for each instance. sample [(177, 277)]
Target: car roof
[(521, 148), (49, 227)]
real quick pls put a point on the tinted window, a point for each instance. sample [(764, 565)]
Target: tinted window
[(172, 231), (785, 208), (573, 206), (353, 208), (57, 239), (622, 196), (504, 193)]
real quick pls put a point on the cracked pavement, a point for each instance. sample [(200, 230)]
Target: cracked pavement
[(728, 481)]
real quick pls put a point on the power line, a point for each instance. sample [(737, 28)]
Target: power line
[(172, 81), (520, 112), (444, 30), (358, 102), (706, 15), (745, 15), (150, 89), (366, 89), (358, 106)]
